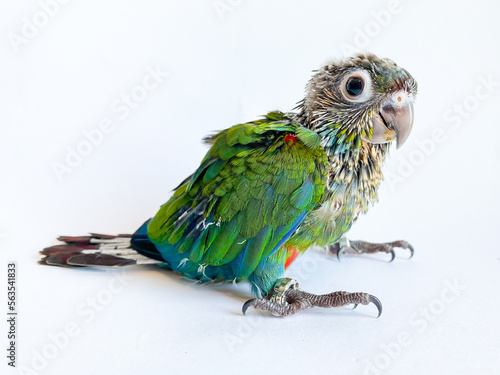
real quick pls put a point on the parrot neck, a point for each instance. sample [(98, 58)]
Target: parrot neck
[(357, 174), (355, 166), (340, 132), (338, 136)]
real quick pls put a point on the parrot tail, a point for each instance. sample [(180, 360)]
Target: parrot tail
[(99, 250)]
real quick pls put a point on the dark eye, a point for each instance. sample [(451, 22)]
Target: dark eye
[(354, 86)]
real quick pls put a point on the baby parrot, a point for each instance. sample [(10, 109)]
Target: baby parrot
[(270, 189)]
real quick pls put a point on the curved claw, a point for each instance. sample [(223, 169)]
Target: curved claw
[(377, 303), (412, 251), (340, 252), (393, 255), (247, 304)]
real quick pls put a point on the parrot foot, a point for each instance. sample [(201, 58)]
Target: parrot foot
[(287, 298), (344, 246)]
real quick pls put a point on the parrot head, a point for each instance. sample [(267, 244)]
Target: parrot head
[(363, 98)]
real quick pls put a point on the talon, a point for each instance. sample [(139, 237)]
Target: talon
[(377, 303), (362, 247), (287, 299), (247, 304), (412, 251), (340, 252), (334, 248)]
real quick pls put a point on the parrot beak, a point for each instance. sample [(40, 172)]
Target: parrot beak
[(394, 121)]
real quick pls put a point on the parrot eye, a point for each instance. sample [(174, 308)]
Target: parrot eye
[(354, 86), (357, 86)]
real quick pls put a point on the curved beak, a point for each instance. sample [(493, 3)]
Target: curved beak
[(394, 121)]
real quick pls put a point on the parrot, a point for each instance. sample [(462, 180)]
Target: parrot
[(270, 189)]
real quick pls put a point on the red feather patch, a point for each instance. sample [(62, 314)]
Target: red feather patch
[(290, 139), (291, 256)]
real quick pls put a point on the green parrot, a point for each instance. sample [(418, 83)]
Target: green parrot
[(270, 189)]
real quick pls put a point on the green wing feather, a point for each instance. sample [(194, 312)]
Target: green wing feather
[(249, 194)]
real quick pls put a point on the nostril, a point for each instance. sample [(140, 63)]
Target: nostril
[(399, 99)]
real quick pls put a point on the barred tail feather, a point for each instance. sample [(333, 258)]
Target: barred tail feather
[(94, 250)]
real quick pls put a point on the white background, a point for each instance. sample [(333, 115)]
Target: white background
[(227, 68)]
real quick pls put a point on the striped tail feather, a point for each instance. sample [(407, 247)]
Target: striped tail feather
[(94, 250)]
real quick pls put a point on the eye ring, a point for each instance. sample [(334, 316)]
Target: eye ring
[(356, 86)]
